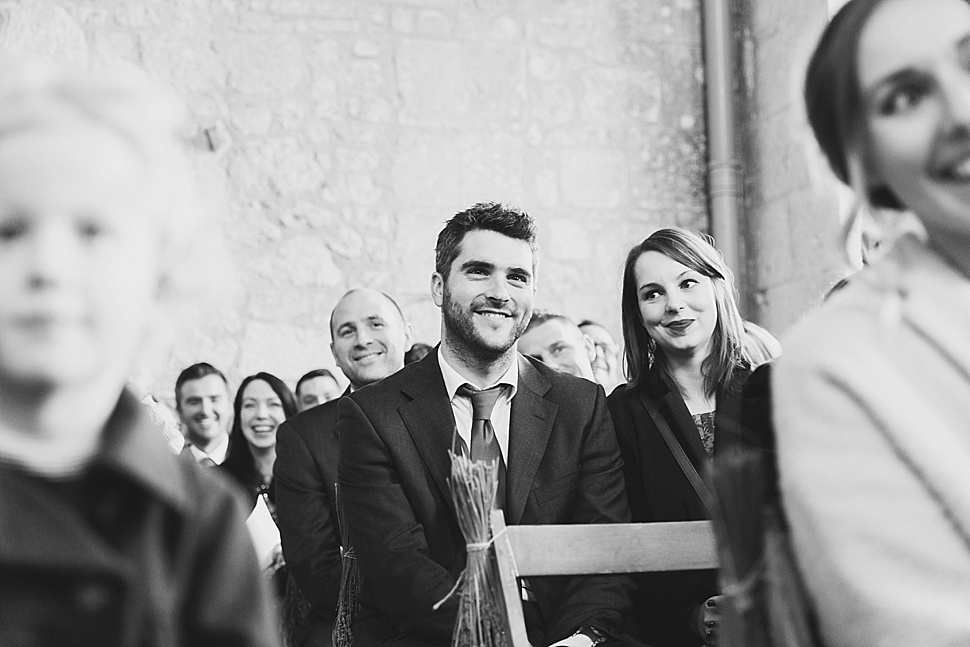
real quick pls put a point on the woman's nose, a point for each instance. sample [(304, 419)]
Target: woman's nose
[(955, 87), (675, 302)]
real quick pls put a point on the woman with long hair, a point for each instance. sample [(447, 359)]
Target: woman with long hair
[(872, 396), (686, 365), (262, 403)]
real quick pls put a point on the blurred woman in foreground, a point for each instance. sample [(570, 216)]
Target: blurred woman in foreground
[(873, 393)]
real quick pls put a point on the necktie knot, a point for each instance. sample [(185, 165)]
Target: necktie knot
[(482, 401)]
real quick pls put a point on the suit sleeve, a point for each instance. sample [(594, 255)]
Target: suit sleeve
[(401, 577), (311, 546), (599, 601)]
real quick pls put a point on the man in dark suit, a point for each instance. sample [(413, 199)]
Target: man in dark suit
[(369, 338), (559, 461)]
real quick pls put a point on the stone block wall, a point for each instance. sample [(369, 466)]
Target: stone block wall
[(792, 220), (344, 133)]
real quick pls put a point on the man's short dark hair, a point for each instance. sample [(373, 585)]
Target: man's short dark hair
[(315, 373), (488, 216), (195, 372), (540, 317)]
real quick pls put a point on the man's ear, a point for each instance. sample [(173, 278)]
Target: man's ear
[(437, 289), (408, 336), (590, 347)]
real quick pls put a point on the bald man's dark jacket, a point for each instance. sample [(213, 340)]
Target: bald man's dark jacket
[(563, 467), (305, 473)]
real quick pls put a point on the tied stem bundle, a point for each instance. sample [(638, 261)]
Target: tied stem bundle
[(348, 600), (739, 525), (481, 607), (789, 610)]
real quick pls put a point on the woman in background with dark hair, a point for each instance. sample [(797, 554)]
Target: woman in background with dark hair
[(686, 364), (872, 395), (262, 403)]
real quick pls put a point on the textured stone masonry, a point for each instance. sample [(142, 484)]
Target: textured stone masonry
[(342, 133)]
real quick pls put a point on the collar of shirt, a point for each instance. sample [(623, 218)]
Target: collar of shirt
[(218, 453), (462, 407)]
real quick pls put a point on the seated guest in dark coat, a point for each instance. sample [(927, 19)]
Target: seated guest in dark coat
[(686, 368), (106, 537), (369, 336), (549, 432)]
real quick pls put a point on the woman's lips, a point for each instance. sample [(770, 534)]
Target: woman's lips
[(680, 325)]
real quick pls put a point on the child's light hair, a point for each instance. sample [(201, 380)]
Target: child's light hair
[(151, 119)]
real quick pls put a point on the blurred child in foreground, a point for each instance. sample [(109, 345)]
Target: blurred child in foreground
[(108, 539)]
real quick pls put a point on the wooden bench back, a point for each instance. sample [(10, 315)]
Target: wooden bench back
[(525, 551)]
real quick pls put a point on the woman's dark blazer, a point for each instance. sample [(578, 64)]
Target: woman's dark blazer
[(658, 490)]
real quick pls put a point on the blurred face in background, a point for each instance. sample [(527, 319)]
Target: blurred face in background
[(206, 410), (606, 363), (260, 414), (561, 345), (79, 256), (316, 390), (914, 75), (370, 337)]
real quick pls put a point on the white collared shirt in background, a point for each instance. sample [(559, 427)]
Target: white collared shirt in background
[(218, 453)]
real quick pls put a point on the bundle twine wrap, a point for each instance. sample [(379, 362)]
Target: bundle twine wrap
[(481, 607), (739, 502), (348, 600)]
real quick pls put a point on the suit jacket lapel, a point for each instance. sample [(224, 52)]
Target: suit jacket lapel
[(529, 430), (431, 421), (727, 418)]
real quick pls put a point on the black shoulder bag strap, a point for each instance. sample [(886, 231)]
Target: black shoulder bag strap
[(685, 465)]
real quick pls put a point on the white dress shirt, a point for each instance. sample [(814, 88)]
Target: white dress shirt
[(218, 453), (462, 407)]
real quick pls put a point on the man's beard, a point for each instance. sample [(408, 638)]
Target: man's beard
[(465, 338)]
